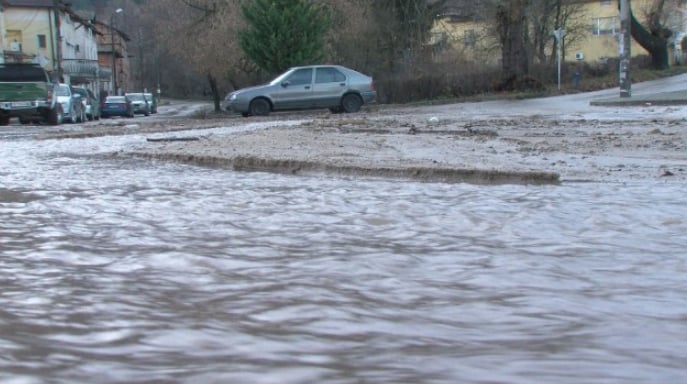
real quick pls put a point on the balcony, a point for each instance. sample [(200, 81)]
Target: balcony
[(80, 68), (18, 57)]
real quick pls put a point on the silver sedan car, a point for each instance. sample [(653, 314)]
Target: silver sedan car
[(335, 87)]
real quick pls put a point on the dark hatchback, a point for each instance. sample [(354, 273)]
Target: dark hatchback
[(117, 106)]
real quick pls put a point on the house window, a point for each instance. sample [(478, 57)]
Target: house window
[(42, 42), (605, 26), (470, 38)]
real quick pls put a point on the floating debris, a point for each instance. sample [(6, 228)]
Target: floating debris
[(173, 138)]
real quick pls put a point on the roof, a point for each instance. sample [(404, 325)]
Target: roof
[(66, 8), (458, 9)]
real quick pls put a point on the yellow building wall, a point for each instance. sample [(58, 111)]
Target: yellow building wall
[(464, 41), (451, 37), (23, 26), (596, 47)]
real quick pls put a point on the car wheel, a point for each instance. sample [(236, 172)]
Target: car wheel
[(24, 121), (260, 107), (72, 115), (351, 103), (4, 120), (336, 110), (55, 116)]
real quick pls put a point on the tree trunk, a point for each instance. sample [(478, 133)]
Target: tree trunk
[(657, 46), (511, 25), (654, 39), (216, 97)]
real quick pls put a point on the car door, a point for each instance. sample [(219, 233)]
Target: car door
[(329, 86), (295, 92)]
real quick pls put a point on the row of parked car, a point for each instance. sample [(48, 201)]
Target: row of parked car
[(129, 105), (80, 104)]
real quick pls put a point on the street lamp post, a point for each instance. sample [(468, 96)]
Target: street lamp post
[(114, 54)]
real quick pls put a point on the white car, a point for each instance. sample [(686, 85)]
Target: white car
[(72, 107)]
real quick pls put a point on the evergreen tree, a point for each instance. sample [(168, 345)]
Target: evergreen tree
[(284, 33)]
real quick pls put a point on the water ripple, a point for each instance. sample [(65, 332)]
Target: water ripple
[(134, 271)]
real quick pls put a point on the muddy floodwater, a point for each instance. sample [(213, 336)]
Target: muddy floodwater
[(118, 270)]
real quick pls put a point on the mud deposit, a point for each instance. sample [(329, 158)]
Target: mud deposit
[(475, 143), (515, 150)]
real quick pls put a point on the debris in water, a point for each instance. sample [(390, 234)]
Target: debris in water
[(172, 138)]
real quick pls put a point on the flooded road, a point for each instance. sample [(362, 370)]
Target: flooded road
[(132, 271)]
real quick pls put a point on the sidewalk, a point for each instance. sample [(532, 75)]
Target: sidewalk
[(663, 98)]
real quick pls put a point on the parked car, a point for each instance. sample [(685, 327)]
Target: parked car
[(152, 101), (117, 106), (335, 87), (26, 92), (72, 108), (90, 103), (139, 102)]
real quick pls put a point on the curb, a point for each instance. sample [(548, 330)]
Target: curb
[(666, 98)]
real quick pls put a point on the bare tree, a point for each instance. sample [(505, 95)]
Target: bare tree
[(353, 38), (511, 25), (203, 34), (546, 16), (654, 37), (399, 29)]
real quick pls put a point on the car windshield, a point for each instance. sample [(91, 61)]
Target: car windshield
[(62, 90), (115, 99), (135, 96), (295, 76), (149, 96), (279, 79)]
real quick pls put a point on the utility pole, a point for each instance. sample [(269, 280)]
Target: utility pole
[(558, 35), (58, 34), (114, 52), (2, 33), (624, 41)]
